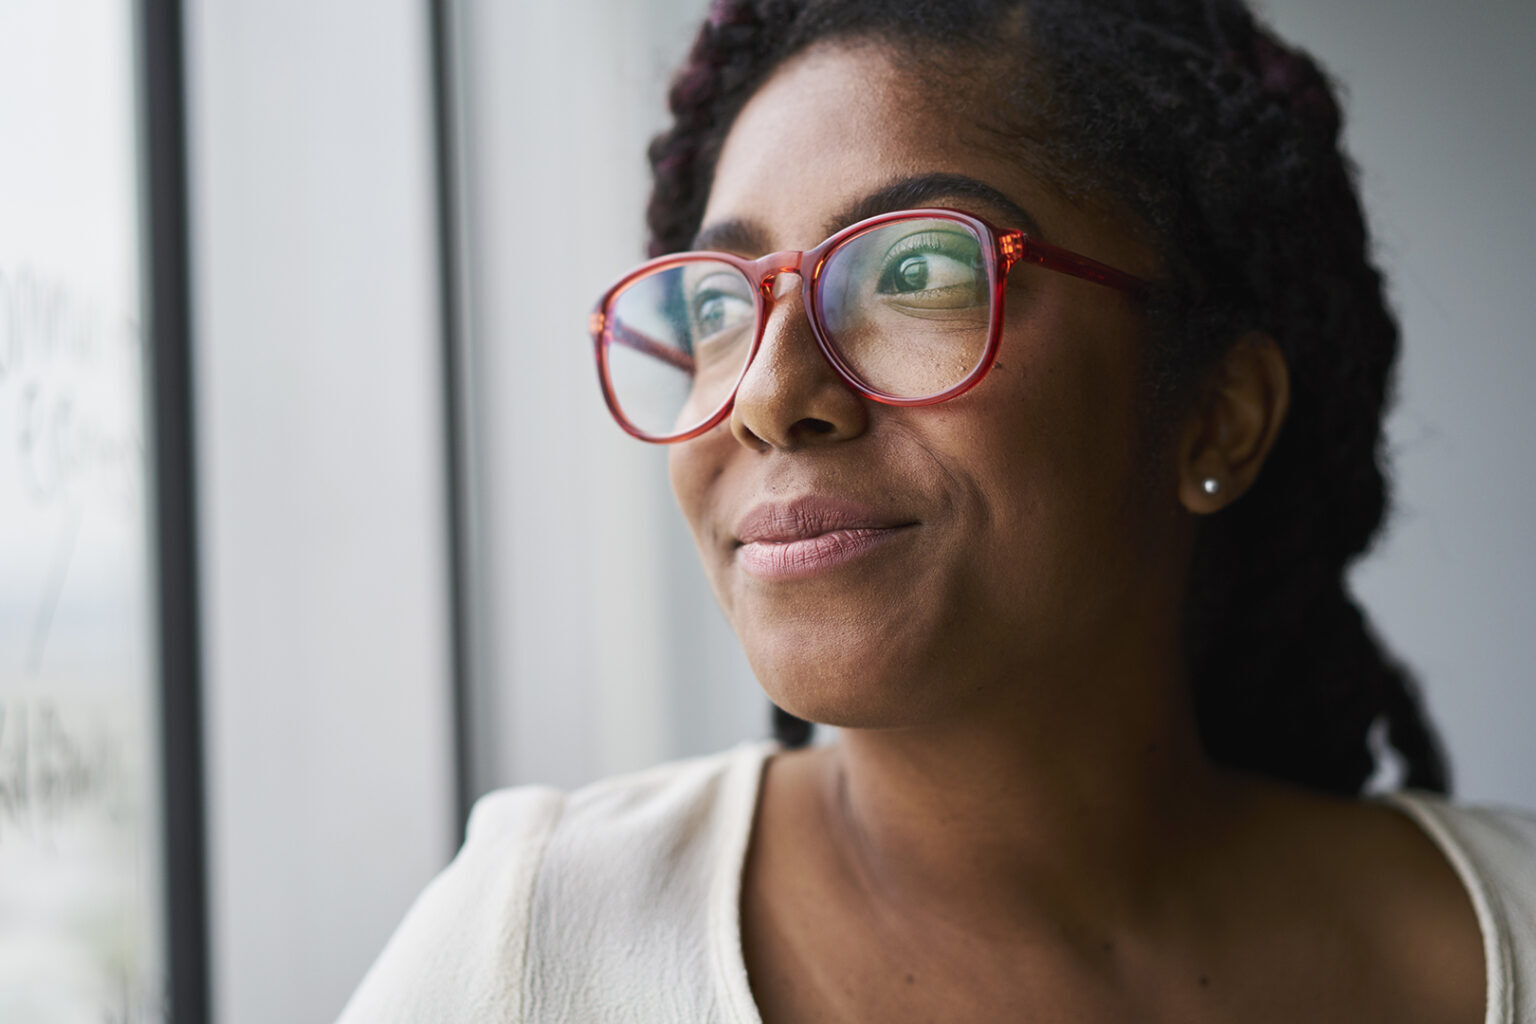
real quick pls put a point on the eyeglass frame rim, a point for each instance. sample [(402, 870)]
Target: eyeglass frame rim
[(1009, 247)]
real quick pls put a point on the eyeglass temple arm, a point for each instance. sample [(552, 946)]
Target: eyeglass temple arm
[(618, 331), (1018, 247)]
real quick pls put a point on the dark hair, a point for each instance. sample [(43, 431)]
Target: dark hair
[(1224, 142)]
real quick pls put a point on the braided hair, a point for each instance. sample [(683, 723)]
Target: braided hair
[(1224, 142)]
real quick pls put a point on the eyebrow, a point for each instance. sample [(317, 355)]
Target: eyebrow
[(745, 236), (929, 189), (741, 236)]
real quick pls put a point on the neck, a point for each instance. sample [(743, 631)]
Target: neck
[(1071, 813)]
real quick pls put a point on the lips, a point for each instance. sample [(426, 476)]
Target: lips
[(812, 535)]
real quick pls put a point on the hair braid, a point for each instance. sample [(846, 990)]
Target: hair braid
[(1288, 677), (730, 55)]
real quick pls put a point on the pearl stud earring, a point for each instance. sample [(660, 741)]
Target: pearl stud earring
[(1212, 485)]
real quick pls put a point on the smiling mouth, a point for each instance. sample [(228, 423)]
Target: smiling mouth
[(797, 559), (810, 536)]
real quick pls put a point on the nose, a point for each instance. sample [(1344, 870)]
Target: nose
[(791, 397)]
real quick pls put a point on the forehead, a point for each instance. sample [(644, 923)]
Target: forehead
[(838, 122)]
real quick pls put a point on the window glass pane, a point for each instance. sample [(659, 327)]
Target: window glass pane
[(81, 915)]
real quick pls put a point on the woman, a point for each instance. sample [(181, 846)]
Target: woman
[(1024, 398)]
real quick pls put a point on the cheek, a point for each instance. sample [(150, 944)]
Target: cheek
[(1074, 379), (689, 475), (695, 469), (1057, 468)]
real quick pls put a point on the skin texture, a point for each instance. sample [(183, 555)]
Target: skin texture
[(1018, 822)]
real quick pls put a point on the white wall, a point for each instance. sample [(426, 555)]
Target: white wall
[(320, 450), (1440, 101)]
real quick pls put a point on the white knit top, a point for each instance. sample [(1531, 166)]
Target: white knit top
[(619, 902)]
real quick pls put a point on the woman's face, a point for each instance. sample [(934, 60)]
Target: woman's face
[(886, 566)]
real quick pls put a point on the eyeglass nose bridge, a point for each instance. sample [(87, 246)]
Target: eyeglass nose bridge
[(776, 264), (768, 271)]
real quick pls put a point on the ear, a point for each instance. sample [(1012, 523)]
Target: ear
[(1234, 425)]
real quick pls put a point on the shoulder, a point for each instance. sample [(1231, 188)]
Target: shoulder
[(1493, 851), (635, 907), (541, 875), (450, 952)]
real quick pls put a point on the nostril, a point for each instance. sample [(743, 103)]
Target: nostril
[(813, 427)]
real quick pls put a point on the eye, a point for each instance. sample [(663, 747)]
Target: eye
[(720, 302), (918, 273), (932, 263), (718, 312)]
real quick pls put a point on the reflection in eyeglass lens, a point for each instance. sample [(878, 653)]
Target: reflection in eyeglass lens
[(678, 338), (908, 305)]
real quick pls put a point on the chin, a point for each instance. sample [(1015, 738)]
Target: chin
[(847, 687)]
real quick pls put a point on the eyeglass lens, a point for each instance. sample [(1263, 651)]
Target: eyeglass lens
[(906, 305)]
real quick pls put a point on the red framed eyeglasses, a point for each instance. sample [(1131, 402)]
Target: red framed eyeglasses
[(907, 308)]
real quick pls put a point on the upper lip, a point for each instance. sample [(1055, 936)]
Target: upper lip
[(810, 516)]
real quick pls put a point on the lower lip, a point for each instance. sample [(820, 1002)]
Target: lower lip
[(798, 559)]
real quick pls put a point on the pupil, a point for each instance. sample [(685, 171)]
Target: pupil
[(712, 315), (913, 272)]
